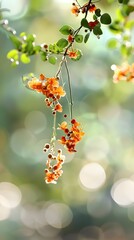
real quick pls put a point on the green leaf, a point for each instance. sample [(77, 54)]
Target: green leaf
[(23, 34), (84, 23), (116, 28), (66, 30), (95, 17), (126, 1), (52, 60), (86, 37), (30, 38), (25, 58), (17, 43), (53, 48), (37, 49), (129, 24), (43, 56), (112, 43), (97, 30), (12, 54), (126, 10), (62, 43), (29, 48), (105, 19), (79, 38), (126, 51), (98, 12)]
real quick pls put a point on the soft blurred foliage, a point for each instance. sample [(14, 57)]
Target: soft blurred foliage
[(94, 199)]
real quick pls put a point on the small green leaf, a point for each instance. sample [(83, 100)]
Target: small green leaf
[(95, 17), (23, 34), (66, 30), (126, 1), (86, 37), (97, 30), (112, 43), (98, 12), (105, 19), (29, 48), (37, 49), (25, 58), (126, 10), (116, 28), (17, 43), (43, 56), (53, 48), (129, 24), (84, 23), (126, 51), (52, 60), (79, 38), (62, 43), (12, 54), (31, 38)]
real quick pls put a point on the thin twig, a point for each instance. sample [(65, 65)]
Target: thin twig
[(70, 90), (64, 59), (53, 139)]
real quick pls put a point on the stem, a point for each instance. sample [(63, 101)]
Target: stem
[(64, 59), (70, 90), (60, 66), (53, 139)]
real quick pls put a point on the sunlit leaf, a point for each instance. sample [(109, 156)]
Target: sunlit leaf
[(12, 54), (112, 43), (23, 34), (79, 38), (37, 49), (62, 43), (43, 56), (66, 30), (17, 43), (126, 10), (52, 59), (115, 27), (25, 58)]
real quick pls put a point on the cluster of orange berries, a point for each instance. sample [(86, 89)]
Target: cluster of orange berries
[(51, 89), (53, 171), (123, 73), (76, 9), (72, 135)]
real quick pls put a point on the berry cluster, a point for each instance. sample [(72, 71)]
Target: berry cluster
[(51, 89), (72, 136), (53, 171)]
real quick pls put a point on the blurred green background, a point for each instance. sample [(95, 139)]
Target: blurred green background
[(94, 199)]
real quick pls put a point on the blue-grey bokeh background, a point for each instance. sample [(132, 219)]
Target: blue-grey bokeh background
[(94, 199)]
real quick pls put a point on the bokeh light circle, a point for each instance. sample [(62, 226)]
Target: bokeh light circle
[(92, 176), (35, 121), (122, 192), (59, 215)]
